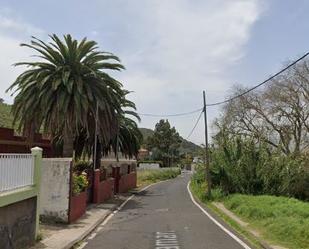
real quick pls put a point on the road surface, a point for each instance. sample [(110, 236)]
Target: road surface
[(162, 217)]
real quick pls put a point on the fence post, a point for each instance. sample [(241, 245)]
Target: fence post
[(37, 154)]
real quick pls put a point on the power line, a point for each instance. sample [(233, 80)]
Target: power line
[(197, 121), (230, 99), (262, 83), (171, 115)]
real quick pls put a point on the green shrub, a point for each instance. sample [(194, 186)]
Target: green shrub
[(199, 185), (79, 183), (149, 176), (241, 166)]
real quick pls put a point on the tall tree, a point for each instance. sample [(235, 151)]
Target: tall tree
[(127, 140), (61, 91), (277, 115), (165, 141)]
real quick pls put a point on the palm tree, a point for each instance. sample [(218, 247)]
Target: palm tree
[(59, 93), (129, 137), (127, 140)]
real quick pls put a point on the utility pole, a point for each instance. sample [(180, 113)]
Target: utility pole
[(95, 138), (207, 171), (117, 147)]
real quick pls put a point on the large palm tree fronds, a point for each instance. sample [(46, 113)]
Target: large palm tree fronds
[(60, 92)]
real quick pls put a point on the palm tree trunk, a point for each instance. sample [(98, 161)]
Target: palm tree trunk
[(68, 140)]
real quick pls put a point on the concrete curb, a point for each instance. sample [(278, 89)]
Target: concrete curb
[(87, 232)]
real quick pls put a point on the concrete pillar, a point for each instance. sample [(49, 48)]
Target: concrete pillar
[(37, 153)]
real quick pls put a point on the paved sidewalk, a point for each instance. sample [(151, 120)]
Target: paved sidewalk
[(65, 236)]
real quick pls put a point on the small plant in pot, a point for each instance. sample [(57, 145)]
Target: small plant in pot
[(80, 183)]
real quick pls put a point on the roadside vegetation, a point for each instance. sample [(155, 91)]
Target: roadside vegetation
[(6, 119), (279, 220), (148, 176), (259, 159)]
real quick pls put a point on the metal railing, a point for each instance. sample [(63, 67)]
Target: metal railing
[(16, 171)]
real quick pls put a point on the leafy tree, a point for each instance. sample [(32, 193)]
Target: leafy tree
[(60, 92), (165, 141), (262, 142)]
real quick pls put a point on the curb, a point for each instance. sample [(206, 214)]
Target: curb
[(87, 232)]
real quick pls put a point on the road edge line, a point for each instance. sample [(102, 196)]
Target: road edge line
[(232, 235)]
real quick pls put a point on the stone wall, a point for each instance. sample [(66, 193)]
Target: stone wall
[(17, 224), (55, 189)]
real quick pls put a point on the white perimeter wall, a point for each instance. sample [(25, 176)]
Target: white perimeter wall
[(55, 188), (149, 166)]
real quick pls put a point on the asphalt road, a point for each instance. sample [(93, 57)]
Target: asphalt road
[(162, 217)]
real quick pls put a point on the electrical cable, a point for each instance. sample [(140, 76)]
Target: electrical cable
[(197, 121), (171, 115), (230, 99), (262, 83)]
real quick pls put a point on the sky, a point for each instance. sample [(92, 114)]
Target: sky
[(172, 49)]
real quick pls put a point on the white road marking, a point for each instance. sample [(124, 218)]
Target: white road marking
[(243, 244), (92, 236), (166, 240)]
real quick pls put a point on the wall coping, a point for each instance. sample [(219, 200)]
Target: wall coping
[(58, 159), (17, 195)]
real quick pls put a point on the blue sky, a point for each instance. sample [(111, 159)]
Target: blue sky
[(172, 49)]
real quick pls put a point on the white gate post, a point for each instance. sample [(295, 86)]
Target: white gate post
[(37, 153)]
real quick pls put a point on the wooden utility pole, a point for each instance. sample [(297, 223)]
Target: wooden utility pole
[(207, 171)]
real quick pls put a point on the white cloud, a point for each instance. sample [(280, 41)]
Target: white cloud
[(186, 47), (172, 49), (13, 31)]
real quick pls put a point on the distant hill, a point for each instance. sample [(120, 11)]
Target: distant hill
[(186, 146), (6, 119)]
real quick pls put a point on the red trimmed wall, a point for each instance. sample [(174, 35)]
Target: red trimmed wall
[(103, 190), (127, 182), (78, 206)]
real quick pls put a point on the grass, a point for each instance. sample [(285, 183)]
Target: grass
[(280, 220), (145, 177)]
